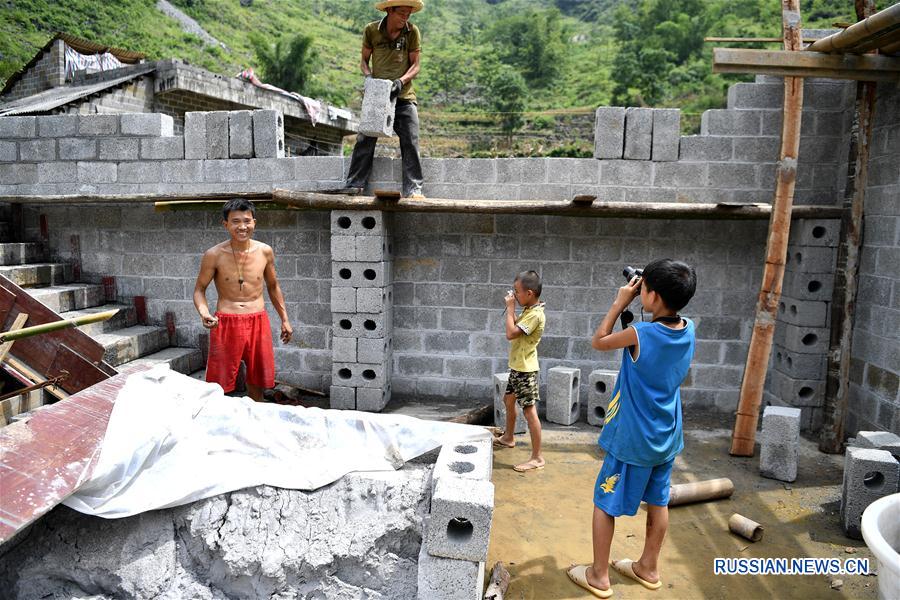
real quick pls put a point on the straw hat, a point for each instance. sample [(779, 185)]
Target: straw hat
[(415, 5)]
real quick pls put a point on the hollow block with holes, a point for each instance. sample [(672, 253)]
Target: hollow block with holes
[(361, 325), (869, 474), (499, 391), (816, 232), (465, 460), (360, 375), (600, 387), (360, 274), (460, 523), (358, 222), (563, 397), (779, 443), (377, 115)]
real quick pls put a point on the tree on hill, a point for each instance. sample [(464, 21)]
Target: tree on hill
[(532, 43), (289, 65)]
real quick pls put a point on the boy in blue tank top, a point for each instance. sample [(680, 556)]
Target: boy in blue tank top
[(642, 429)]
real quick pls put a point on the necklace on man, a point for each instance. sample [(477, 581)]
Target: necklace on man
[(239, 269)]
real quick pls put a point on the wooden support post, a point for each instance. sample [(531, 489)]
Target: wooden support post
[(744, 435), (843, 300)]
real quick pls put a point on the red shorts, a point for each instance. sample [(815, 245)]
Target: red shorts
[(236, 338)]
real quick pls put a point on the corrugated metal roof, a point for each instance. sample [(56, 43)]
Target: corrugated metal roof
[(49, 99)]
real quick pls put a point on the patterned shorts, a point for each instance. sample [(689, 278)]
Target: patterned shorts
[(524, 386)]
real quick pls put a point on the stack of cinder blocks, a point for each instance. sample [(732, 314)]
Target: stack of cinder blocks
[(637, 133), (780, 443), (234, 134), (377, 118), (871, 471), (800, 350), (361, 308), (455, 544)]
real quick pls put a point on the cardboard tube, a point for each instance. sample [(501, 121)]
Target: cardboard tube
[(745, 527), (698, 491)]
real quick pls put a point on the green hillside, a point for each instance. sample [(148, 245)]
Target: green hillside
[(507, 76)]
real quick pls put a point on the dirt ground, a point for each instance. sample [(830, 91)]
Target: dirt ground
[(542, 521)]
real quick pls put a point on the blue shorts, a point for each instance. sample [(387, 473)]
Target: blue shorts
[(620, 486)]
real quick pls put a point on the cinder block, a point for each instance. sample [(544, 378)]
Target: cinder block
[(563, 402), (148, 124), (119, 148), (464, 461), (360, 375), (163, 148), (807, 340), (217, 134), (360, 274), (377, 115), (756, 95), (373, 399), (448, 578), (460, 523), (374, 300), (343, 247), (240, 134), (17, 127), (342, 397), (195, 135), (808, 286), (358, 222), (798, 392), (343, 299), (37, 150), (374, 350), (609, 132), (600, 388), (361, 326), (371, 248), (803, 312), (799, 365), (499, 391), (97, 124), (666, 134), (810, 259), (816, 232), (869, 474), (57, 125), (638, 133), (880, 440), (77, 149), (8, 152), (343, 349), (268, 134), (779, 443)]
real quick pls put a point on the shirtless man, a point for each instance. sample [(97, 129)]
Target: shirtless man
[(240, 328)]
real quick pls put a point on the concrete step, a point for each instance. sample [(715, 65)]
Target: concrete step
[(38, 274), (125, 345), (72, 296), (19, 254), (126, 317), (183, 360)]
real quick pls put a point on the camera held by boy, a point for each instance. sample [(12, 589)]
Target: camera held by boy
[(642, 431), (524, 334)]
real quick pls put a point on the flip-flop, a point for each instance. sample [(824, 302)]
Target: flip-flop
[(625, 567), (527, 466), (578, 575), (499, 444)]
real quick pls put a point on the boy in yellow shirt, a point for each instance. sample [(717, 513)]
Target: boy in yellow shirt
[(524, 334)]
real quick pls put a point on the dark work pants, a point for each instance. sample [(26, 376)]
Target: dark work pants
[(406, 125)]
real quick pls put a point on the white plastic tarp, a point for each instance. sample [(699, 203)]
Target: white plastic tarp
[(172, 440)]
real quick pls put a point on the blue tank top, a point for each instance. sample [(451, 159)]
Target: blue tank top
[(643, 420)]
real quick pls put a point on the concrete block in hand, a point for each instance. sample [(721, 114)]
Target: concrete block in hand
[(499, 391), (666, 134), (195, 135), (600, 388), (779, 443), (240, 134), (342, 398), (869, 474), (609, 132), (563, 398), (448, 578), (460, 522), (638, 133), (217, 134), (268, 134), (377, 115)]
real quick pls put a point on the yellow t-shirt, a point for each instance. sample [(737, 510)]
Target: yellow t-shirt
[(523, 350)]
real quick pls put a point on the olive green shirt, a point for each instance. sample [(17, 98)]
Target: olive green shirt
[(523, 349), (390, 58)]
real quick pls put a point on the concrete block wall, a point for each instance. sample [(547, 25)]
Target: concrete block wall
[(49, 71), (875, 365)]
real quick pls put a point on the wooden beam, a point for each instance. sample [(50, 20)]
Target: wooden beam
[(221, 197), (744, 435), (754, 40), (17, 325), (867, 67)]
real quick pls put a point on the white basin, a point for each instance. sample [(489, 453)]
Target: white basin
[(881, 531)]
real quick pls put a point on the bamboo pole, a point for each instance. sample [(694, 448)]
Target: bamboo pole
[(843, 300), (878, 25), (744, 434), (56, 326), (698, 491)]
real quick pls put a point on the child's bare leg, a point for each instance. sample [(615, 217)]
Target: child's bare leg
[(647, 567), (508, 438), (534, 427), (255, 392), (602, 529)]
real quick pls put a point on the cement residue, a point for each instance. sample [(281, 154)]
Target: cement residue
[(359, 537)]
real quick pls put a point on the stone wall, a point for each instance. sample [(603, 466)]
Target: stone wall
[(47, 72), (875, 367)]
